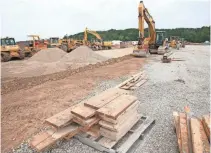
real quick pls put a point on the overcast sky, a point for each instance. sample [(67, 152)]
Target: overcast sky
[(59, 17)]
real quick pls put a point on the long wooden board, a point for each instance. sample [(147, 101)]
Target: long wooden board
[(103, 98), (177, 127), (122, 130), (122, 117), (199, 138), (61, 119), (43, 140), (130, 112), (117, 106), (184, 132), (83, 111), (206, 124)]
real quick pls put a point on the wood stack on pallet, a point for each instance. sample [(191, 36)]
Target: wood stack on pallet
[(109, 115), (193, 134)]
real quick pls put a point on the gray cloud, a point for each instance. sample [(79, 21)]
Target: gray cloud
[(57, 18)]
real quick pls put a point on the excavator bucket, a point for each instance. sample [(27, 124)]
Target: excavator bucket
[(162, 50), (143, 52)]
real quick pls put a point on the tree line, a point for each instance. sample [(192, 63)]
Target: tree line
[(196, 35)]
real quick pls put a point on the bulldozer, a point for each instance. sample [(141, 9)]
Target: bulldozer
[(54, 42), (96, 45), (35, 44), (9, 50), (175, 42), (156, 42), (68, 45)]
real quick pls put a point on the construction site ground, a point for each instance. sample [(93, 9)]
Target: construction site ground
[(171, 87)]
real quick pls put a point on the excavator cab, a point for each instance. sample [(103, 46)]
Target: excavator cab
[(160, 37)]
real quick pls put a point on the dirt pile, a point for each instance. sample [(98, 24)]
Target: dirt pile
[(52, 60), (82, 56), (48, 55)]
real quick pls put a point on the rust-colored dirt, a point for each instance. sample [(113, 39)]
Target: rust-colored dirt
[(24, 110)]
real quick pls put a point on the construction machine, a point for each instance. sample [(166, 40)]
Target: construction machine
[(54, 42), (10, 49), (35, 44), (182, 40), (96, 45), (175, 42), (68, 45), (156, 42)]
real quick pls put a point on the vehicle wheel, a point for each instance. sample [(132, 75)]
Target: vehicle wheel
[(64, 48), (21, 54), (5, 57)]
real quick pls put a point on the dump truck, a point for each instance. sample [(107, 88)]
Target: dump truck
[(9, 49)]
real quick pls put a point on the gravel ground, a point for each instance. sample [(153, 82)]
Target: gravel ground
[(171, 86)]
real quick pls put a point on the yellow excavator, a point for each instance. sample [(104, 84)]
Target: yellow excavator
[(96, 45), (156, 42), (9, 49)]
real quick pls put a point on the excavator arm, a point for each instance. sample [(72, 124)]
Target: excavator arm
[(94, 33), (146, 45), (144, 15)]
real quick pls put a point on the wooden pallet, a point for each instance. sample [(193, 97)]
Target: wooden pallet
[(124, 144)]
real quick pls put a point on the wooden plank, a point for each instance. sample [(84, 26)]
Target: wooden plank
[(117, 106), (61, 133), (130, 112), (122, 130), (206, 124), (45, 144), (94, 131), (184, 132), (123, 116), (176, 124), (199, 138), (61, 119), (131, 78), (39, 138), (103, 98), (42, 144), (83, 111), (86, 123), (134, 137)]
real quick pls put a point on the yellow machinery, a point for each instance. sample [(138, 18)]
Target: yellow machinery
[(174, 42), (156, 42), (96, 45), (68, 45), (10, 49), (35, 45), (54, 42)]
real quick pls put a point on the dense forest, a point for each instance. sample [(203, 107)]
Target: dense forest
[(196, 35)]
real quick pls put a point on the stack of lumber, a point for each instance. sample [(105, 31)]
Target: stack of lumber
[(118, 117), (193, 134), (134, 82), (85, 117)]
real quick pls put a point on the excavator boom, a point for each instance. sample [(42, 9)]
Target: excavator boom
[(145, 45)]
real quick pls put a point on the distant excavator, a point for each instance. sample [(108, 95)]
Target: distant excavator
[(96, 45), (156, 42)]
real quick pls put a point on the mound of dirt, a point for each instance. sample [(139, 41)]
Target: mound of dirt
[(48, 55), (83, 55)]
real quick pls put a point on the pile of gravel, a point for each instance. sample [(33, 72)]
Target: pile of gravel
[(48, 55), (83, 54)]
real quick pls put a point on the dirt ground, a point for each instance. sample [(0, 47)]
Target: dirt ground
[(24, 110)]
